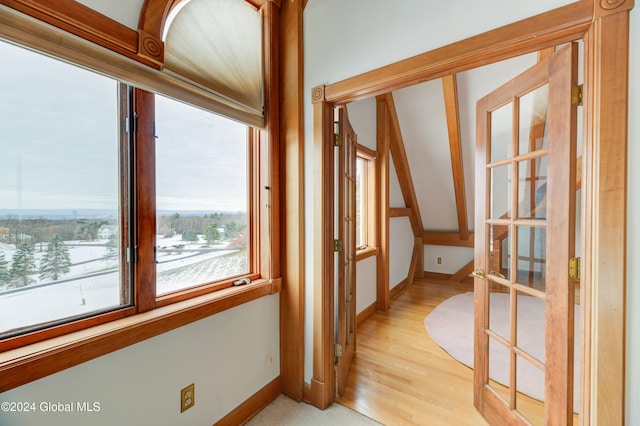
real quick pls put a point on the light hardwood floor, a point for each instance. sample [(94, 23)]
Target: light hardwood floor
[(402, 377)]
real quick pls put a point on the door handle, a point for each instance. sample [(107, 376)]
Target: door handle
[(479, 273)]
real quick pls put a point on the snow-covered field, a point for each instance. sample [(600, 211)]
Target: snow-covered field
[(92, 283)]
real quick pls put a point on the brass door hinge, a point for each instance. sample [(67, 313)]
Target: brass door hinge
[(337, 350), (574, 268), (337, 245), (337, 139), (576, 95)]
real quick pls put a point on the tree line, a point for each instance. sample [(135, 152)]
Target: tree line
[(53, 264)]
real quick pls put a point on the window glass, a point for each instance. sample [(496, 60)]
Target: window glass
[(361, 198), (201, 197), (60, 226)]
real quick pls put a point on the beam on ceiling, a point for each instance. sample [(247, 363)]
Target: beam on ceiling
[(402, 166), (451, 239), (450, 88)]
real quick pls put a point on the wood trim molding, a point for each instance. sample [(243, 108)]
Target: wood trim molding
[(382, 202), (365, 314), (399, 287), (253, 405), (547, 29), (399, 212), (88, 24), (292, 200), (463, 272), (322, 382), (604, 184), (451, 239)]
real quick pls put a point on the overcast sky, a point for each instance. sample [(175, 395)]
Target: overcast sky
[(59, 143)]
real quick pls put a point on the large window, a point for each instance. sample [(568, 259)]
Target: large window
[(61, 231), (114, 200)]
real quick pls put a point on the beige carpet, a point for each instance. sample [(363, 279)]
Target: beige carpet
[(285, 411)]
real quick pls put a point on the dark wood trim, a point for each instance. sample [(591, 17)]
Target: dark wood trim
[(32, 362), (292, 200), (451, 239), (253, 405), (145, 200)]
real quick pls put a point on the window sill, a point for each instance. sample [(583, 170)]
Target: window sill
[(367, 252), (28, 363)]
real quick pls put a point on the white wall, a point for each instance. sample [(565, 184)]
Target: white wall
[(389, 34), (228, 356), (633, 230)]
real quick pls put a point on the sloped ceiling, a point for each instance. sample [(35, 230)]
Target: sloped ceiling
[(423, 121)]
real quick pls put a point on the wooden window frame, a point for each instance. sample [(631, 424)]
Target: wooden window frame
[(370, 247), (55, 349), (604, 27)]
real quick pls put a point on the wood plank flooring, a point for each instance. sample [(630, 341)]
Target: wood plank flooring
[(402, 377)]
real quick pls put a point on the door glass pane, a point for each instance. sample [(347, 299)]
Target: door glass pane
[(533, 119), (532, 188), (499, 369), (201, 197), (500, 251), (530, 316), (530, 386), (501, 192), (499, 311), (502, 133), (532, 256)]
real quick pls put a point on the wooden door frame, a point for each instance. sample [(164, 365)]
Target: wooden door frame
[(604, 27)]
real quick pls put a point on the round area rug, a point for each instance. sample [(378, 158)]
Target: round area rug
[(450, 325)]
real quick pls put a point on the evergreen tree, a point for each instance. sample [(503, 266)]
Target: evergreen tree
[(190, 235), (4, 270), (23, 264), (56, 260), (211, 233)]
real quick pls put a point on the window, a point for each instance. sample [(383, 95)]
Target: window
[(61, 209), (365, 195), (98, 134), (202, 197), (115, 200)]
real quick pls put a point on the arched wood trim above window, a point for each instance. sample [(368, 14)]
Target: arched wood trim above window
[(153, 16)]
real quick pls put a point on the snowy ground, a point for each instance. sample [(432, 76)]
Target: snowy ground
[(92, 284)]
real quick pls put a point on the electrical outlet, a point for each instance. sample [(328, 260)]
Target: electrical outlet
[(187, 397), (439, 261)]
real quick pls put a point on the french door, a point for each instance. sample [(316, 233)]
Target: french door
[(525, 237), (346, 248)]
